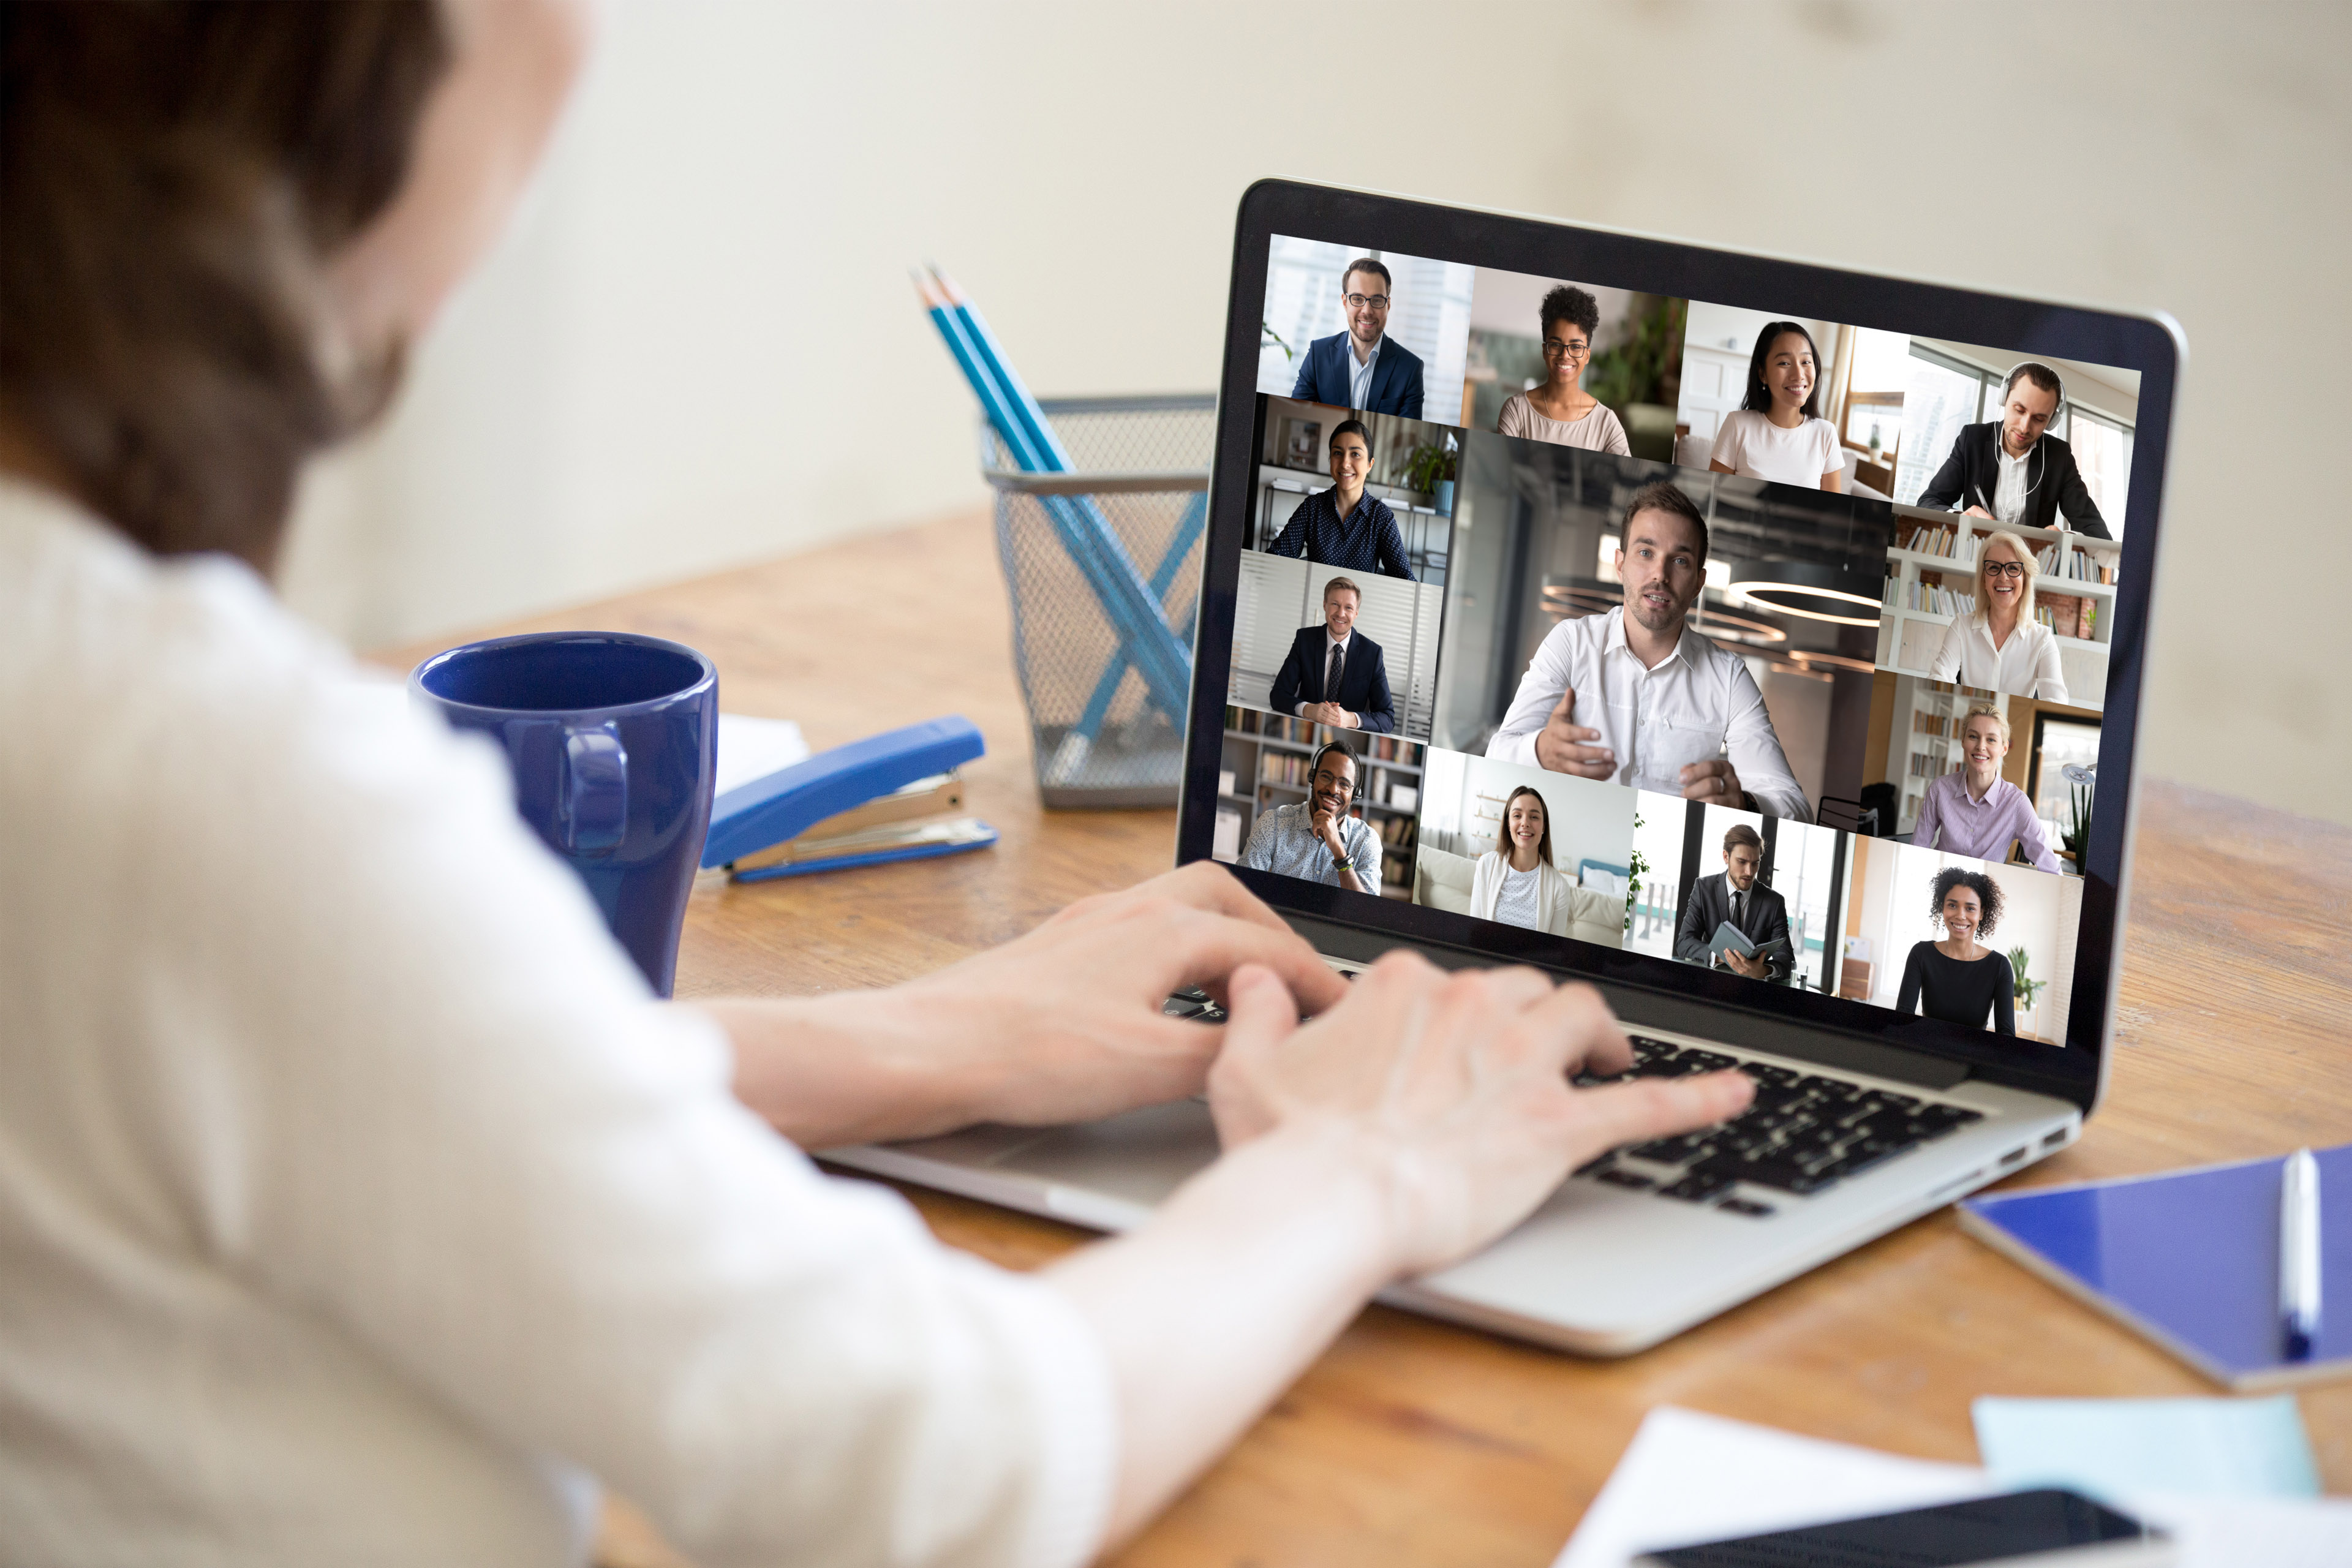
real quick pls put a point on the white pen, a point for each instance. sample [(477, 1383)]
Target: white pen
[(2299, 1252)]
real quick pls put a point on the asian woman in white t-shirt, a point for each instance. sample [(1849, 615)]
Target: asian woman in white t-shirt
[(1777, 432)]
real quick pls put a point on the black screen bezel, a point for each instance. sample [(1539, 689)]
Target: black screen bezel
[(2151, 345)]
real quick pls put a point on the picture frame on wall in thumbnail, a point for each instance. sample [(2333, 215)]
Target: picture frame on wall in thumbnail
[(1406, 480)]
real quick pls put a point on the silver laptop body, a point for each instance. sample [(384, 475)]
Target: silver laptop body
[(1868, 1116)]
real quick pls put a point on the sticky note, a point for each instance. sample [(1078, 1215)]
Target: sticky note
[(2116, 1447)]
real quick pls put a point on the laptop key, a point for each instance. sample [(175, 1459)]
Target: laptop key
[(1617, 1178), (1862, 1159), (1672, 1151), (1697, 1187), (1742, 1206)]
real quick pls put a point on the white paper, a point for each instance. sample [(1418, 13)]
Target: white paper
[(1689, 1478), (752, 748)]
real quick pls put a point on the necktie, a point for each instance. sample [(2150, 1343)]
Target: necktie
[(1331, 676), (1739, 911)]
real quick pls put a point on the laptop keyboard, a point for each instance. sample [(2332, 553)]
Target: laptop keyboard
[(1804, 1131)]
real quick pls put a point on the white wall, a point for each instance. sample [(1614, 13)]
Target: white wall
[(701, 346), (1513, 302)]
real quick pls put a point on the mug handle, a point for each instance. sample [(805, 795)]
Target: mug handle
[(592, 801)]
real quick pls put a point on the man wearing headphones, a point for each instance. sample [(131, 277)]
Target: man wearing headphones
[(1316, 839), (2008, 471)]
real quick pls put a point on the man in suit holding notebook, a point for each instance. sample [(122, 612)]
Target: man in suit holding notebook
[(1757, 912), (1362, 367), (1334, 674)]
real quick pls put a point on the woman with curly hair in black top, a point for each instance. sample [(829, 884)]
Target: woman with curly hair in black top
[(1956, 979)]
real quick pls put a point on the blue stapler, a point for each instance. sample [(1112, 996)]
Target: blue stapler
[(892, 796)]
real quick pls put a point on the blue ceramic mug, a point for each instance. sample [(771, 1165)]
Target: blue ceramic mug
[(612, 740)]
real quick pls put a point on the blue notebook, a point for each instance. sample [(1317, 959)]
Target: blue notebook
[(2190, 1259)]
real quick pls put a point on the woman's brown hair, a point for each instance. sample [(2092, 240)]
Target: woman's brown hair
[(174, 176)]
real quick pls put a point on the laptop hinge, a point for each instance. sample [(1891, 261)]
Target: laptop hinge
[(1639, 1005)]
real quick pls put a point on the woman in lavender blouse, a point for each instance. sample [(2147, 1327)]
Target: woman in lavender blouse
[(1976, 812)]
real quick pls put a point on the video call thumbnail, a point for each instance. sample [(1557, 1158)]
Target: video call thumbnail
[(1544, 851), (1736, 637), (1760, 605), (1323, 804)]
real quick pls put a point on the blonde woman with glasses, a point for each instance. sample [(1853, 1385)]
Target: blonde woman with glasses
[(1999, 646)]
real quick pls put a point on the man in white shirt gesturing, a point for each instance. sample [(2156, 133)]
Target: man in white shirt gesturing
[(1637, 697)]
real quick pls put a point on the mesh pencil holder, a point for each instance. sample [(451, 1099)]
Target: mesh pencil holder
[(1107, 729)]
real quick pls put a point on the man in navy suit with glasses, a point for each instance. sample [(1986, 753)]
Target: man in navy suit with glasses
[(1362, 367), (1334, 674)]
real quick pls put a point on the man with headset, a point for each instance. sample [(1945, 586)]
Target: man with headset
[(2009, 470), (1316, 839)]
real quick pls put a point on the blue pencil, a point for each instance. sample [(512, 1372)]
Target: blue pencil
[(1024, 407), (1086, 534), (1053, 458)]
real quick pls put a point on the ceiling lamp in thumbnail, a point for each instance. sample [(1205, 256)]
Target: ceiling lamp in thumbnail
[(1813, 590)]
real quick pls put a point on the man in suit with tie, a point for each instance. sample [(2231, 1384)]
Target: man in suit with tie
[(1334, 674), (1362, 367), (1758, 913), (2009, 471)]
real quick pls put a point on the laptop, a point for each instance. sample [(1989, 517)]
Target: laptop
[(1616, 602)]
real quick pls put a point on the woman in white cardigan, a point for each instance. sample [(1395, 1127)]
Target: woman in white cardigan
[(1515, 881), (2001, 646)]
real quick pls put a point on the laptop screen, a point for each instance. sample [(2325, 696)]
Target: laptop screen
[(1615, 618)]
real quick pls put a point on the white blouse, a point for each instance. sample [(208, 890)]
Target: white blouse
[(2026, 666), (358, 1203), (1749, 444), (1496, 892)]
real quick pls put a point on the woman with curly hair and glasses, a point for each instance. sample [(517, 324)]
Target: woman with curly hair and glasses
[(1561, 411), (1957, 979)]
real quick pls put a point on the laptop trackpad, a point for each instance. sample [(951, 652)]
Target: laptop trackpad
[(1140, 1156)]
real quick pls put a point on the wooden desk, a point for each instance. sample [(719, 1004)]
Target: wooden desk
[(1416, 1442)]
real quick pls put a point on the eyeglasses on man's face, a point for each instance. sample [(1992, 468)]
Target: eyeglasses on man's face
[(1554, 349), (1358, 302), (1325, 779), (2005, 569)]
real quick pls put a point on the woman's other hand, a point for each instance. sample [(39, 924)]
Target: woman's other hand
[(1063, 1024)]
